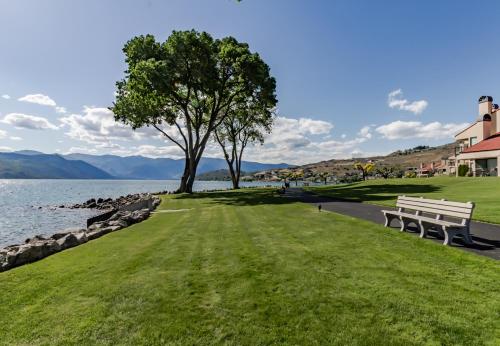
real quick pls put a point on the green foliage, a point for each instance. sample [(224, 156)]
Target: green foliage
[(463, 170), (323, 176), (389, 172), (417, 149), (247, 122), (364, 168), (350, 178), (410, 174), (189, 84)]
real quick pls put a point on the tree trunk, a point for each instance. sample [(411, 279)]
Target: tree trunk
[(184, 179), (192, 175), (232, 173)]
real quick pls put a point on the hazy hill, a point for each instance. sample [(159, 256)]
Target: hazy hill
[(140, 167), (218, 175), (402, 159), (33, 165)]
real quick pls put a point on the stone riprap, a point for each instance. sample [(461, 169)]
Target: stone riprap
[(40, 247), (109, 203)]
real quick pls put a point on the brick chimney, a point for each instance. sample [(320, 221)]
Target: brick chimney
[(487, 126), (485, 106)]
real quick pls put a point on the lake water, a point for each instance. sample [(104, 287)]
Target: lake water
[(28, 207)]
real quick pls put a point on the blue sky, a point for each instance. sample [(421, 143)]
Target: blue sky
[(362, 77)]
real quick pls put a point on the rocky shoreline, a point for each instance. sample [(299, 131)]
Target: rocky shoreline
[(120, 213)]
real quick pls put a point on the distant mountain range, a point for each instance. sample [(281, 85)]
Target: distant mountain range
[(32, 165), (29, 164)]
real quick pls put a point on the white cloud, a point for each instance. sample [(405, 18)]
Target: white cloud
[(395, 100), (97, 125), (27, 121), (81, 150), (365, 132), (416, 129), (5, 96), (61, 110), (158, 151), (343, 136), (39, 99), (3, 135), (6, 149), (296, 141), (43, 100), (314, 127)]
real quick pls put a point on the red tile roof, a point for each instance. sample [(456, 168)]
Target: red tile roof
[(490, 143)]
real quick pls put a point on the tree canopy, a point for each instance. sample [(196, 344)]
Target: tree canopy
[(186, 86), (244, 124)]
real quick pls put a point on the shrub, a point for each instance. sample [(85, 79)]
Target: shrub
[(463, 170), (410, 175)]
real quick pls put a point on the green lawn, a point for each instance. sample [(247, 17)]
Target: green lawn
[(484, 192), (248, 268)]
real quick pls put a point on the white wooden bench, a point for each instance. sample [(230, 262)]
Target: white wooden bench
[(429, 213)]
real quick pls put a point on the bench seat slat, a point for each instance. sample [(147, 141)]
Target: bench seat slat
[(435, 211), (424, 218), (437, 201)]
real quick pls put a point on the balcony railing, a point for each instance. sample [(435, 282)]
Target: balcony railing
[(461, 148)]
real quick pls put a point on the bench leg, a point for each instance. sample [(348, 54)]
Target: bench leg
[(424, 227), (449, 233), (467, 237), (389, 218), (404, 224)]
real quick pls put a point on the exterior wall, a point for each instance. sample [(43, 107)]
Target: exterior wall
[(470, 159), (475, 130), (479, 155)]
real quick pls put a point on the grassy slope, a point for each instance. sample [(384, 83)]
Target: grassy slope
[(485, 192), (248, 268)]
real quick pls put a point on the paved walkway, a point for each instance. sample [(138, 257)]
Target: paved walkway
[(486, 236)]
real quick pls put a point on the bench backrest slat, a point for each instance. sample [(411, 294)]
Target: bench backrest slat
[(438, 201), (438, 207)]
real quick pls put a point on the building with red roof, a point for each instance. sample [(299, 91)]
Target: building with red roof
[(478, 146)]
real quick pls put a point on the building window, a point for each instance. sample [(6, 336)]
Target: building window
[(473, 140)]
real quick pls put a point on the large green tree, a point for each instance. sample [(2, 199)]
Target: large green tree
[(188, 84), (247, 123)]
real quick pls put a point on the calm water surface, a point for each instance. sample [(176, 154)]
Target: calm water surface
[(28, 207)]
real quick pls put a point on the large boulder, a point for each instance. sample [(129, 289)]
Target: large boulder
[(58, 235), (110, 229), (65, 232), (140, 215), (156, 201), (99, 232), (97, 225), (120, 223), (94, 234), (35, 238), (81, 236), (36, 250), (69, 240)]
